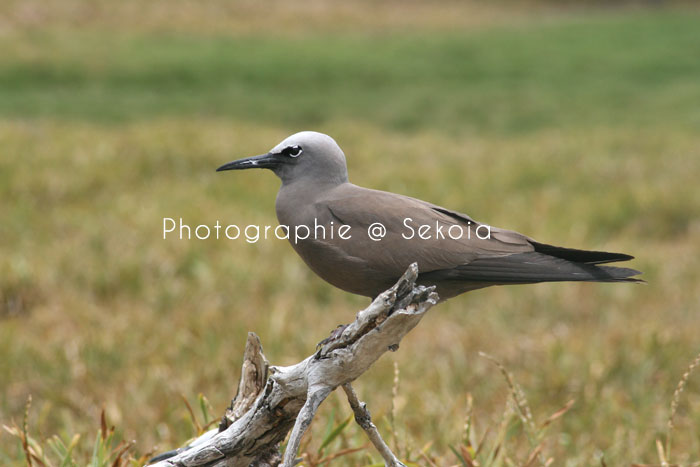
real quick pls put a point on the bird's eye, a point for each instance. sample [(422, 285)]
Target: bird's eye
[(292, 151)]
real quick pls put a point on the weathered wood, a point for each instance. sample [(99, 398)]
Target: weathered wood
[(261, 415), (364, 419), (253, 378)]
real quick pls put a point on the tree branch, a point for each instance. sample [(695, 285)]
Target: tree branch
[(271, 402), (364, 419)]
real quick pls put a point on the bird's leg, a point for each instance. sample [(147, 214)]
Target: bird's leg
[(363, 418)]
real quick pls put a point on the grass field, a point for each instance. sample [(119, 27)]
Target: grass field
[(580, 128)]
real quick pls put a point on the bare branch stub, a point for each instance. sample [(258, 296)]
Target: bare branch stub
[(266, 409), (253, 377), (364, 419)]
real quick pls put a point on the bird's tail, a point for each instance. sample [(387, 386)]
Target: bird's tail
[(580, 256), (538, 266)]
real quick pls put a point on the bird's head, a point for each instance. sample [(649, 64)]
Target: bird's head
[(308, 156)]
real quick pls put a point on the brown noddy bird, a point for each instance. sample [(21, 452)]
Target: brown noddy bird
[(316, 193)]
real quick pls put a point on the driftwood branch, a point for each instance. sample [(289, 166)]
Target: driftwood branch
[(363, 418), (272, 400)]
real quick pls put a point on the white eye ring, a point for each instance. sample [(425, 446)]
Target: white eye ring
[(293, 151)]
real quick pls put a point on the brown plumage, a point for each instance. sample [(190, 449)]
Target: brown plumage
[(316, 193)]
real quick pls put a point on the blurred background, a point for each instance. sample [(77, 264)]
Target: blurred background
[(576, 124)]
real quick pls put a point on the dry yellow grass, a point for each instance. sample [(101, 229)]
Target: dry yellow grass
[(117, 317), (98, 311), (275, 17)]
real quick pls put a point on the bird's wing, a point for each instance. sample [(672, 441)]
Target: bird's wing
[(504, 257), (570, 254), (449, 239)]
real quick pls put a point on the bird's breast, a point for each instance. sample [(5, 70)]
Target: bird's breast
[(328, 247)]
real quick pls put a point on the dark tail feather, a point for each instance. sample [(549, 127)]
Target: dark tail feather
[(524, 268), (580, 256)]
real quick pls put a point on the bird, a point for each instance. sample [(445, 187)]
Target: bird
[(315, 192)]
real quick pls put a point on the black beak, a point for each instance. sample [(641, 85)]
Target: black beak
[(263, 161)]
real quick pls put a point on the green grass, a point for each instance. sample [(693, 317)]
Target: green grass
[(581, 130), (638, 69)]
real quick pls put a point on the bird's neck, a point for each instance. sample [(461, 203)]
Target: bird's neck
[(297, 198)]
